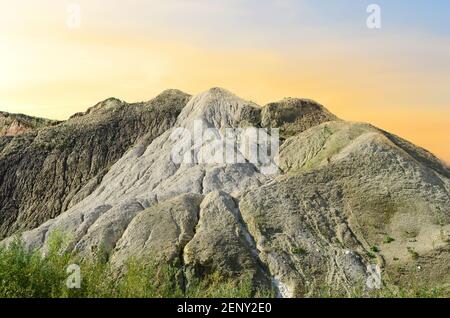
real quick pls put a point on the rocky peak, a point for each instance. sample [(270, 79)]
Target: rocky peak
[(15, 124), (294, 115), (219, 108), (109, 104)]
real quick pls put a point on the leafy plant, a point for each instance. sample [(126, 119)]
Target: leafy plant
[(299, 250), (388, 240), (33, 274), (371, 255)]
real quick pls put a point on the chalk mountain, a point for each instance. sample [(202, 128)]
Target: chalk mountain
[(347, 195)]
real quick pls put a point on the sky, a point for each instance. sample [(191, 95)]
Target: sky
[(396, 77)]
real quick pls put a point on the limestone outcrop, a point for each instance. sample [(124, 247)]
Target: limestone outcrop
[(344, 196)]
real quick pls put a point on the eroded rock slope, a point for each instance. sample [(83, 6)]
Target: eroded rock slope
[(16, 124), (45, 171), (346, 195)]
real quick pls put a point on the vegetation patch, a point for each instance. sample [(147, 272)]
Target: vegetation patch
[(413, 253), (25, 274), (299, 250), (388, 240), (371, 255), (29, 274)]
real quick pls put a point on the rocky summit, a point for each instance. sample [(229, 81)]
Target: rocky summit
[(15, 124), (347, 200)]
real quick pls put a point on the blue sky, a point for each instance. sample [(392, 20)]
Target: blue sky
[(288, 17), (431, 16)]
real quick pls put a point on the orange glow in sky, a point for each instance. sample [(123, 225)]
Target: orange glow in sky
[(397, 78)]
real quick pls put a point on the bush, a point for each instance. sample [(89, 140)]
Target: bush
[(25, 274), (388, 240), (30, 274)]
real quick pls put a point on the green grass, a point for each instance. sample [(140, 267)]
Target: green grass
[(299, 250), (386, 292), (371, 255), (388, 240), (25, 274)]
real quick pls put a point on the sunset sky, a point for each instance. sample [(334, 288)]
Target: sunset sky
[(396, 77)]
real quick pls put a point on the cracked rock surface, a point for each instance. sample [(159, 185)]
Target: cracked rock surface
[(342, 189), (46, 171)]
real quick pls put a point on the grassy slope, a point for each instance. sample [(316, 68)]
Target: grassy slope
[(25, 274)]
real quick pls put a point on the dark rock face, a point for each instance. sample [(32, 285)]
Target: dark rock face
[(45, 171), (294, 115), (15, 124)]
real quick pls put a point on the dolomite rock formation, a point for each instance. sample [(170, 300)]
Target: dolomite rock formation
[(346, 195), (49, 169)]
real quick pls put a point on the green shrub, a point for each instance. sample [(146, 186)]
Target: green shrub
[(388, 240), (371, 255), (25, 274), (299, 250)]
